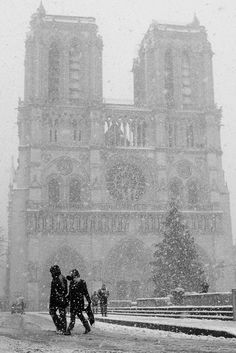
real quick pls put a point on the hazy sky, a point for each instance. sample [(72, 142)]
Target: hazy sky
[(122, 24)]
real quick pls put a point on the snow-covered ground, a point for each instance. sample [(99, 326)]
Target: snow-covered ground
[(35, 333), (218, 325)]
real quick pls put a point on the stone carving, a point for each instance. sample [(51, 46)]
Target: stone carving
[(184, 169), (46, 157), (199, 163), (62, 223), (34, 182), (115, 223), (65, 166)]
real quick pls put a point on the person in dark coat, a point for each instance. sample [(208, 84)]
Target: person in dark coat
[(205, 287), (95, 300), (77, 291), (103, 295), (58, 301)]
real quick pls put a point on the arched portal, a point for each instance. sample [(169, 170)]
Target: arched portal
[(127, 270), (67, 259), (208, 266)]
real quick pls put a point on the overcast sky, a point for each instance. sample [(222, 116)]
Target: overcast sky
[(122, 24)]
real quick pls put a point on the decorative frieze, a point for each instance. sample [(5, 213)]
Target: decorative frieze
[(42, 222)]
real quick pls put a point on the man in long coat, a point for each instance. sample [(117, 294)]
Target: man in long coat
[(58, 301), (77, 291)]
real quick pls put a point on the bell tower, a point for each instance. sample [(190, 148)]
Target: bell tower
[(173, 77), (174, 67), (63, 62)]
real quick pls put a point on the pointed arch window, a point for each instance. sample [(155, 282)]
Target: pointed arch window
[(74, 191), (54, 191), (172, 134), (76, 132), (176, 190), (75, 72), (190, 136), (169, 79), (53, 130), (53, 72), (193, 193), (186, 80)]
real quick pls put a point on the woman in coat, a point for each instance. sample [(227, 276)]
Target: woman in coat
[(77, 291)]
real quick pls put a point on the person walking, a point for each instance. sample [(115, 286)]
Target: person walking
[(94, 300), (58, 301), (103, 295), (77, 291)]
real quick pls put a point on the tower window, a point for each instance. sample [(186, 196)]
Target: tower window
[(190, 136), (186, 80), (172, 134), (53, 73), (76, 133), (75, 73), (169, 79), (53, 130)]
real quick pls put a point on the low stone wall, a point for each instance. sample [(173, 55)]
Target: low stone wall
[(119, 303), (142, 302), (190, 299), (202, 299)]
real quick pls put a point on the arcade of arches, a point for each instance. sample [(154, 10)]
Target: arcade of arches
[(126, 269)]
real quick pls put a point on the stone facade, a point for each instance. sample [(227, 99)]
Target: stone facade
[(94, 180)]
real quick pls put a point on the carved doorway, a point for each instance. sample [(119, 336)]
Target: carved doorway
[(127, 270)]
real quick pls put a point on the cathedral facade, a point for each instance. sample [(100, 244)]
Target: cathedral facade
[(94, 180)]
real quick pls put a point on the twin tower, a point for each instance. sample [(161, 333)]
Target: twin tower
[(94, 180)]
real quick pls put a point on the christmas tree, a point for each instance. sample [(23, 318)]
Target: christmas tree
[(176, 262)]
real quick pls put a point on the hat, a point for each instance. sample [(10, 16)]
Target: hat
[(74, 273), (55, 270)]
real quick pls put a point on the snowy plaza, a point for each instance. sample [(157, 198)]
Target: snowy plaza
[(31, 333)]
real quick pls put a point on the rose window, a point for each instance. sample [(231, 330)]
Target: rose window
[(126, 182)]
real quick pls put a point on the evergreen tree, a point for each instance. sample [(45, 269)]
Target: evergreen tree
[(176, 260)]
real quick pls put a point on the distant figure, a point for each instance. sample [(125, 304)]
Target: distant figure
[(58, 300), (205, 287), (20, 302), (103, 295), (77, 291), (95, 300), (18, 306)]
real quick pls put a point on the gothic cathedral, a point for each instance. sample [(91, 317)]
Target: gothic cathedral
[(94, 179)]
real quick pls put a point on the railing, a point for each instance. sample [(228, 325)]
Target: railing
[(197, 312)]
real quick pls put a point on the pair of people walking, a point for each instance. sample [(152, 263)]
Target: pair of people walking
[(102, 297), (61, 298)]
